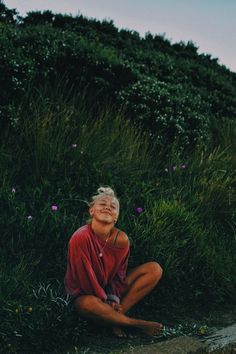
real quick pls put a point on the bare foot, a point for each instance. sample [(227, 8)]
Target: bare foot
[(119, 332), (152, 329)]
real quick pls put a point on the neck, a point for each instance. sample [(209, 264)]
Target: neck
[(101, 230)]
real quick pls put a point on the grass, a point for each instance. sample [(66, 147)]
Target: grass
[(57, 153)]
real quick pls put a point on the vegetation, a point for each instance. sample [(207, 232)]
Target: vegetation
[(84, 105), (169, 90)]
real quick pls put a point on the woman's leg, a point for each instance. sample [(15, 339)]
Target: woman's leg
[(141, 281), (92, 307)]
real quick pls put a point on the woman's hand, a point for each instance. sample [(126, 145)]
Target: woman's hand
[(116, 307)]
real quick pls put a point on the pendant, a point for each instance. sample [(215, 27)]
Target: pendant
[(100, 254)]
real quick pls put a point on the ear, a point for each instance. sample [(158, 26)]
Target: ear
[(91, 211)]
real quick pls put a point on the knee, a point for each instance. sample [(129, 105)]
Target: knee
[(156, 271), (86, 303)]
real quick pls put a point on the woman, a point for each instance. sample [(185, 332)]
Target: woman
[(96, 271)]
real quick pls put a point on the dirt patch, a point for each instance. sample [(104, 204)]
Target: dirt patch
[(182, 345), (220, 342)]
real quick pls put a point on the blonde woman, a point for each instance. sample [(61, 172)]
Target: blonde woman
[(96, 275)]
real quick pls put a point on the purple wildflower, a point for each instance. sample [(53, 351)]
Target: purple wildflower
[(183, 166), (139, 210), (54, 207), (30, 217), (13, 190), (174, 168), (166, 169), (74, 146)]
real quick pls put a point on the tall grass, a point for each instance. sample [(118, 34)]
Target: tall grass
[(188, 224), (180, 212), (64, 141), (57, 153)]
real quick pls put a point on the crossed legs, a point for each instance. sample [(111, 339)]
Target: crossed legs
[(141, 280)]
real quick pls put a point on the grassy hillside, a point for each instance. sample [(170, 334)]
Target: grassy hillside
[(170, 90), (84, 105)]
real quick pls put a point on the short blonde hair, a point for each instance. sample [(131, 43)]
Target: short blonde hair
[(104, 192)]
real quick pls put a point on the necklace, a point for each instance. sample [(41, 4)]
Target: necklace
[(108, 236)]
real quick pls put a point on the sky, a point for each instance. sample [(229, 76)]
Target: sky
[(209, 24)]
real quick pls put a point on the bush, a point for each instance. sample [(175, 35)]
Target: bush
[(170, 113)]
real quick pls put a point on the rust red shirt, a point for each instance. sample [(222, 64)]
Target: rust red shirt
[(89, 274)]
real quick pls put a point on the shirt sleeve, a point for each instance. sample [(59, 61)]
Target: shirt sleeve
[(80, 278), (118, 285)]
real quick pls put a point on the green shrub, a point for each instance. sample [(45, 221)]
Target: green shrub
[(170, 113), (42, 47)]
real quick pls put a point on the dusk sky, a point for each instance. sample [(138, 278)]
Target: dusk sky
[(210, 24)]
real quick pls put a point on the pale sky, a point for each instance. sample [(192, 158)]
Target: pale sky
[(210, 24)]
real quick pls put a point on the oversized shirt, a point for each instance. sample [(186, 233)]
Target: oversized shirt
[(89, 274)]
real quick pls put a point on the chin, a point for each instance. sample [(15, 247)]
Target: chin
[(108, 221), (104, 218)]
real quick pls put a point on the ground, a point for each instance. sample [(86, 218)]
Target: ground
[(191, 323)]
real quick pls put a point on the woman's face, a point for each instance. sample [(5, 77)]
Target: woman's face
[(105, 209)]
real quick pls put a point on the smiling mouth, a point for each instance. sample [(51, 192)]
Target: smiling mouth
[(106, 212)]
